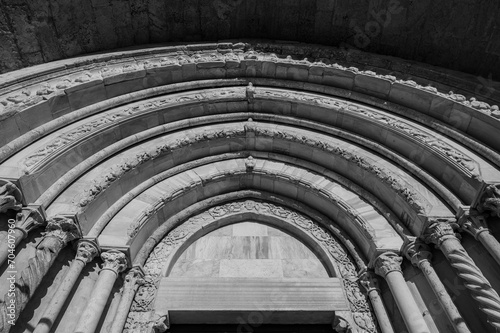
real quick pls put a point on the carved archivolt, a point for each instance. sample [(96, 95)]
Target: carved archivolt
[(231, 57), (463, 162), (154, 266), (415, 200)]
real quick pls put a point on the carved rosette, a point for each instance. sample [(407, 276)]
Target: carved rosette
[(87, 250), (417, 252), (490, 201), (387, 262), (114, 260), (10, 197), (439, 230), (29, 219)]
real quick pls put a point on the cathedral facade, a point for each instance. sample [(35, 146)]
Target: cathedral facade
[(246, 185)]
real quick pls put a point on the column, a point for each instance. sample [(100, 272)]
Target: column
[(26, 221), (388, 265), (370, 284), (60, 231), (133, 279), (419, 254), (86, 252), (478, 228), (114, 262), (442, 235)]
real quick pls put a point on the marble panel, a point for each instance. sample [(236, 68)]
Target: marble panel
[(303, 268), (195, 268), (263, 268)]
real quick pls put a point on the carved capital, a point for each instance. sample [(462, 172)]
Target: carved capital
[(475, 225), (29, 219), (368, 280), (60, 230), (439, 230), (387, 262), (114, 260), (10, 197), (416, 252), (490, 201), (87, 250)]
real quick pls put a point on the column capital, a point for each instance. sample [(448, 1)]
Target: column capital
[(87, 250), (475, 225), (114, 260), (10, 196), (29, 218), (416, 251), (60, 230), (387, 262), (368, 280), (439, 230), (489, 201)]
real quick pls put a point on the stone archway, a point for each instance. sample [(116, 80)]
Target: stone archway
[(334, 253)]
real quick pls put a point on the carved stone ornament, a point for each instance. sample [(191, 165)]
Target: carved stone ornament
[(135, 276), (416, 251), (114, 260), (29, 219), (162, 324), (10, 197), (439, 230), (153, 268), (341, 325), (388, 262), (475, 225), (249, 163), (490, 201), (368, 281), (60, 230), (86, 251)]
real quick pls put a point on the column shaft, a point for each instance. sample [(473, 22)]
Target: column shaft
[(98, 299), (491, 244), (378, 306), (132, 282), (406, 304), (443, 297), (474, 280), (5, 247)]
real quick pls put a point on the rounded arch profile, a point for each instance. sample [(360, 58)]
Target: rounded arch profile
[(365, 165)]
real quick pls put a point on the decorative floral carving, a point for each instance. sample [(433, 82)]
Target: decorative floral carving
[(387, 262), (115, 261), (29, 219), (86, 251), (145, 296), (62, 228), (439, 230)]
